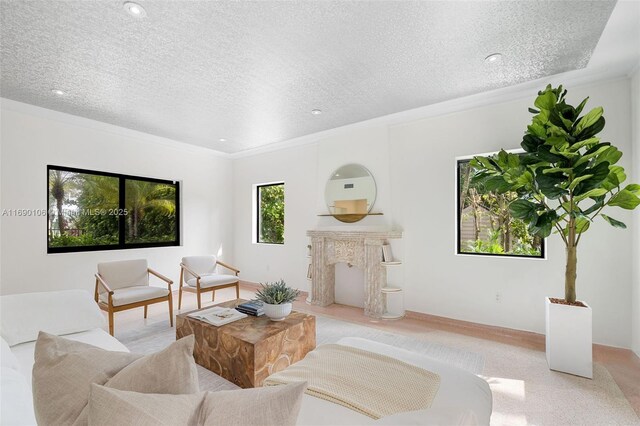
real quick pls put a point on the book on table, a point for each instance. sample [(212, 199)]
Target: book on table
[(218, 315), (254, 308)]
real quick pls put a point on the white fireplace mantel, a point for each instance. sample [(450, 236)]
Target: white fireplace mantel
[(357, 247)]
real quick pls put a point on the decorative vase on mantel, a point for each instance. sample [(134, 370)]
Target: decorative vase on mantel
[(277, 299)]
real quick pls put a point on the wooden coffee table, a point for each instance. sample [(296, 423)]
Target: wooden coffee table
[(248, 350)]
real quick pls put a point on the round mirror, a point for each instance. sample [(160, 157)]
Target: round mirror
[(350, 193)]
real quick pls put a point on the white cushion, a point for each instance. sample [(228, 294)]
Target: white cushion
[(7, 358), (15, 399), (462, 397), (96, 337), (124, 296), (432, 416), (124, 273), (213, 280), (201, 265), (56, 312)]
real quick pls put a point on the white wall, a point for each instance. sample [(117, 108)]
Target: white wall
[(1, 202), (414, 167), (413, 164), (466, 287), (305, 171), (33, 137), (269, 262), (635, 229)]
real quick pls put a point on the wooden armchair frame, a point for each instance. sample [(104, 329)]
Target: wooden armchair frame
[(110, 309), (198, 290)]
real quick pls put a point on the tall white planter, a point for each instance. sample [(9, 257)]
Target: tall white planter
[(569, 338)]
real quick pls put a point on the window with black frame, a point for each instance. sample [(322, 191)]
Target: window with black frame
[(485, 225), (270, 213), (91, 210)]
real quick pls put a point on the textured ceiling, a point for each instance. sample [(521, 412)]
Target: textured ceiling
[(251, 72)]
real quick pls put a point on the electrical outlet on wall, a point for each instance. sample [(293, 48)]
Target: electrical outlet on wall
[(498, 296)]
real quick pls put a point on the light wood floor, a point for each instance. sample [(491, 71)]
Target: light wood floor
[(622, 364)]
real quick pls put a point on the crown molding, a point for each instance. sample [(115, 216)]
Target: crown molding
[(511, 93), (48, 114)]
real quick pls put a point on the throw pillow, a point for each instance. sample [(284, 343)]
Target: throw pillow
[(108, 407), (273, 405), (64, 371), (276, 405)]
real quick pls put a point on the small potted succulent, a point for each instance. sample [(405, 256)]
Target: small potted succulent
[(277, 299)]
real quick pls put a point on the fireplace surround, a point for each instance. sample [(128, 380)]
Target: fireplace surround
[(359, 248)]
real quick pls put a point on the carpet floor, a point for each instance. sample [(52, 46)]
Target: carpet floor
[(157, 336), (525, 391)]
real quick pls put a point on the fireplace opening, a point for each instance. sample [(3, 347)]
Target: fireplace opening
[(349, 285)]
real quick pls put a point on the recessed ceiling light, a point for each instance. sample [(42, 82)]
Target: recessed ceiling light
[(316, 111), (134, 9), (222, 140), (493, 58), (57, 92)]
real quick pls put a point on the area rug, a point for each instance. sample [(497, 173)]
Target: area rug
[(157, 336)]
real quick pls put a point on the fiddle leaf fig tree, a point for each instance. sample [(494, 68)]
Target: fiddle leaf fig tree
[(565, 178)]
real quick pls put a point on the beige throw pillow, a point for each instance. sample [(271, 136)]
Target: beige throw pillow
[(65, 369), (108, 407), (273, 405), (276, 405), (172, 370)]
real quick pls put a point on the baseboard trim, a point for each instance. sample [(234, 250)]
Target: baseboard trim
[(478, 329), (460, 326), (503, 334)]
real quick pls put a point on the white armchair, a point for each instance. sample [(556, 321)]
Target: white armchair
[(200, 275), (123, 285)]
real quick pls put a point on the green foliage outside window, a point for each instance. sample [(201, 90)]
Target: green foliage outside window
[(85, 211), (100, 193), (566, 178), (151, 212), (486, 223), (271, 214)]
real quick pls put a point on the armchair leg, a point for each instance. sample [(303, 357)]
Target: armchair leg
[(110, 322), (199, 302), (170, 309), (145, 311), (213, 295), (237, 291), (180, 298)]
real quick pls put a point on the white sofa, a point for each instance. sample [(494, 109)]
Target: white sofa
[(463, 398), (72, 313)]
